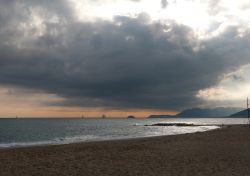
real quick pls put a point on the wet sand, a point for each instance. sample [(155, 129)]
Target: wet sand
[(222, 152)]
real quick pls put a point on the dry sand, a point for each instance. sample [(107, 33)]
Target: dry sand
[(222, 152)]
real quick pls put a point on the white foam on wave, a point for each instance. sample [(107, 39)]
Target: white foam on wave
[(56, 141), (175, 130)]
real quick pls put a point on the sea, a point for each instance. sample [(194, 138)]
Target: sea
[(33, 132)]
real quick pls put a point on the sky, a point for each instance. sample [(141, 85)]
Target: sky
[(68, 58)]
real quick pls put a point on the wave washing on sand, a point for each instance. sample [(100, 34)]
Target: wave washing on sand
[(56, 141), (154, 131), (33, 132)]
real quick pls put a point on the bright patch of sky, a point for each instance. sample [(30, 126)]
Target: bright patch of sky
[(234, 86), (206, 17)]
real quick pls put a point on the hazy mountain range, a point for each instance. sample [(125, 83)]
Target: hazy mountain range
[(243, 113), (207, 112)]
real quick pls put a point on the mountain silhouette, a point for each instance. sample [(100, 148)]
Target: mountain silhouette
[(243, 113), (216, 112), (200, 112)]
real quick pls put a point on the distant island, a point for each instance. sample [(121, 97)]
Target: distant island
[(131, 117), (206, 112)]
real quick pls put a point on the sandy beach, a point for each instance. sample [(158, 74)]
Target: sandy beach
[(222, 152)]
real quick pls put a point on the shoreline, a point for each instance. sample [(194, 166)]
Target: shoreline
[(220, 152), (54, 143)]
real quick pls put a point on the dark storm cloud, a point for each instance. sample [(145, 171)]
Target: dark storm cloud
[(128, 62)]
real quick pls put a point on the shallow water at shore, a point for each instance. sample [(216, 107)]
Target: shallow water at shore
[(30, 132)]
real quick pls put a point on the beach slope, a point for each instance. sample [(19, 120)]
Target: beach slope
[(222, 152)]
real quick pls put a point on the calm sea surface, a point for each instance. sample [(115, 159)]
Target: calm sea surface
[(28, 132)]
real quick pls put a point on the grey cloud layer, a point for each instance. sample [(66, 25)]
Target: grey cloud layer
[(129, 62), (164, 3)]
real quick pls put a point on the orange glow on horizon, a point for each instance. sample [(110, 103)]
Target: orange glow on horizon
[(22, 103), (67, 112)]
